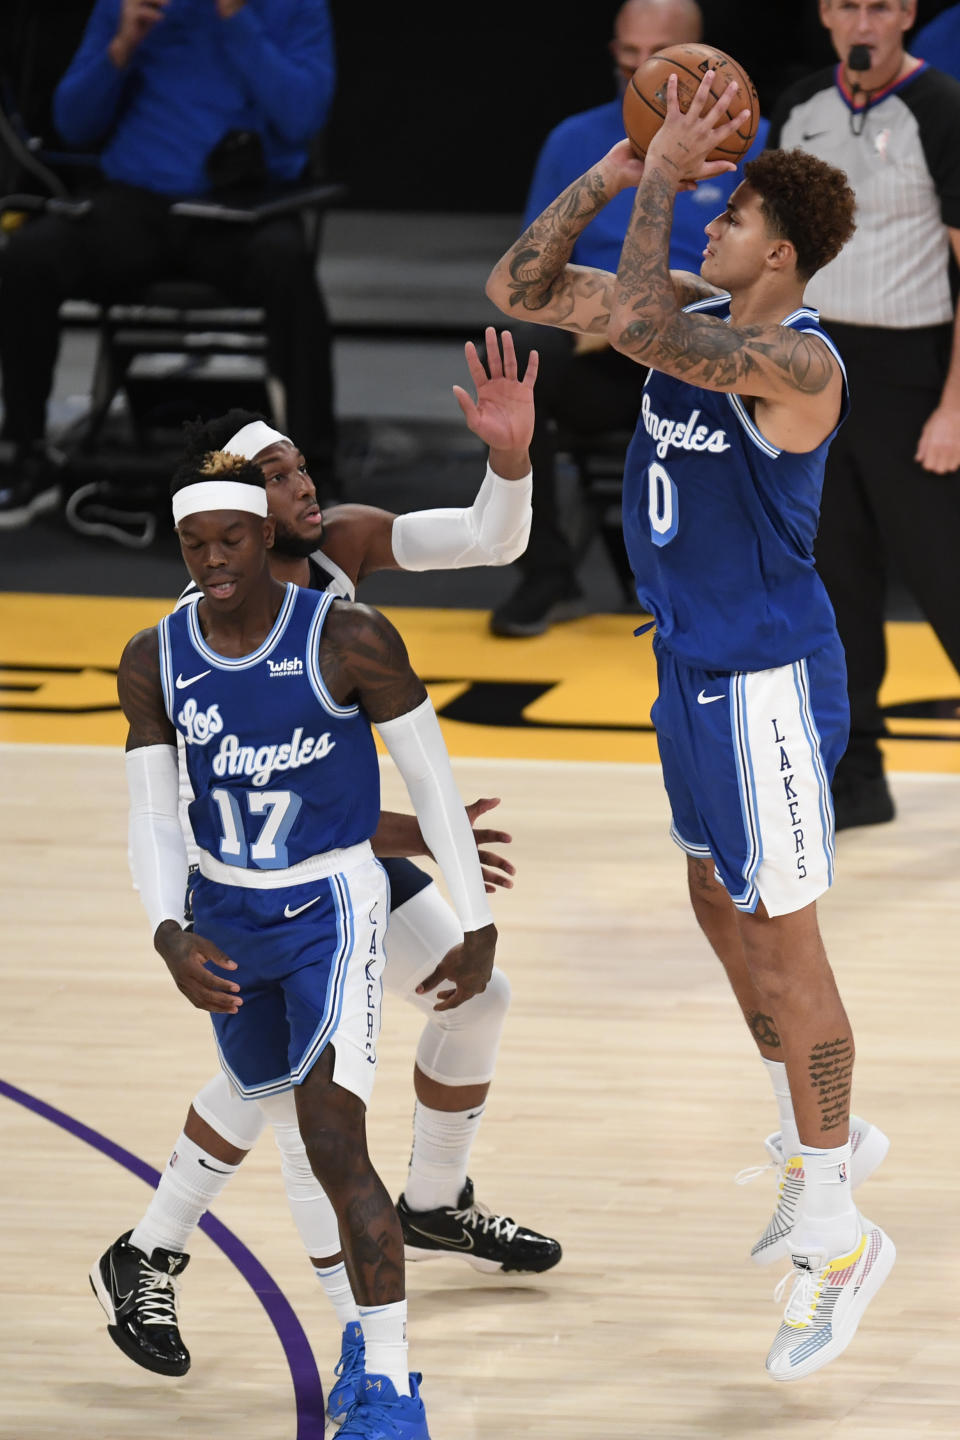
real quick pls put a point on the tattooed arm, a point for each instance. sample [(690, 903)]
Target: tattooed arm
[(534, 279), (141, 696), (363, 658), (767, 361)]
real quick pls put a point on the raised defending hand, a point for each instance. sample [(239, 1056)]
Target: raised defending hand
[(497, 869), (468, 966), (502, 415), (187, 956), (685, 138)]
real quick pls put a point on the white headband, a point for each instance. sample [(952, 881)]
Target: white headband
[(253, 438), (218, 495)]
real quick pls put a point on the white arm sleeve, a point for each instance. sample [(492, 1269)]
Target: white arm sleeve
[(158, 855), (494, 531), (417, 749)]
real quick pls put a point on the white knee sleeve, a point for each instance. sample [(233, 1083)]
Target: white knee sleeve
[(457, 1047), (312, 1212), (239, 1121)]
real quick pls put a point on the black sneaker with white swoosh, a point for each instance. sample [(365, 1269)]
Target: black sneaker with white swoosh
[(139, 1295), (486, 1241)]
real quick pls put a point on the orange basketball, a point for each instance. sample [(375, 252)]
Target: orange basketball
[(645, 100)]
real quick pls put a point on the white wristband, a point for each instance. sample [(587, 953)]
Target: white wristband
[(494, 530), (417, 749), (158, 856)]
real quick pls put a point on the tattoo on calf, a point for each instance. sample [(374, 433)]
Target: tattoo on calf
[(763, 1030), (831, 1071), (375, 1245)]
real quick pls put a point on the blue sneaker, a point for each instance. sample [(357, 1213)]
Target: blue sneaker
[(381, 1414), (349, 1373)]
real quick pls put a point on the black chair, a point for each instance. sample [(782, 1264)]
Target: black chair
[(172, 317)]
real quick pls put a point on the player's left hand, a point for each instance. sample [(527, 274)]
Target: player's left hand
[(468, 965), (497, 869), (226, 8), (939, 446), (502, 414), (685, 138)]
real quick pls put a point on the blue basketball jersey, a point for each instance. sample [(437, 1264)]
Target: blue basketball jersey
[(280, 772), (719, 525)]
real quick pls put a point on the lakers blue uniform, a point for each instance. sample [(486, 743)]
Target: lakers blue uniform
[(405, 878), (752, 716), (286, 795)]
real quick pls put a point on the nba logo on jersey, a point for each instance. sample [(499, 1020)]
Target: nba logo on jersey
[(842, 1172)]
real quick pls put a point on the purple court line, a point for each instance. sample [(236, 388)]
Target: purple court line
[(307, 1390)]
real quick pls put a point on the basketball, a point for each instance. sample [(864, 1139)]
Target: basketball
[(645, 100)]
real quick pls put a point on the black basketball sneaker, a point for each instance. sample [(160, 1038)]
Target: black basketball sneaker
[(486, 1241), (139, 1296)]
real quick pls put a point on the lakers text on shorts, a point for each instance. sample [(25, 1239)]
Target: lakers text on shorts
[(747, 759)]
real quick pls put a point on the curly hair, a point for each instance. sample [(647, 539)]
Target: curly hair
[(216, 465), (202, 436), (806, 201)]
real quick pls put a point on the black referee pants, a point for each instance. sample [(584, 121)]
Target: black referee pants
[(880, 508), (129, 239)]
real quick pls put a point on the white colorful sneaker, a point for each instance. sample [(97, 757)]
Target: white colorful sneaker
[(868, 1146), (826, 1304)]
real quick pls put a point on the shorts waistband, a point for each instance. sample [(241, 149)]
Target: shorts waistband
[(316, 867)]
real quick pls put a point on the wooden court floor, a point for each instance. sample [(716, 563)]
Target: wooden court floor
[(627, 1097)]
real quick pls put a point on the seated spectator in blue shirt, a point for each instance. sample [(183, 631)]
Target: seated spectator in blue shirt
[(589, 387), (180, 97), (939, 42)]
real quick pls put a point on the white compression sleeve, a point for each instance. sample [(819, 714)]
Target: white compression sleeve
[(417, 749), (494, 530), (158, 856)]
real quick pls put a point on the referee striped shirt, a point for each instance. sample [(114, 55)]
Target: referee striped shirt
[(902, 158)]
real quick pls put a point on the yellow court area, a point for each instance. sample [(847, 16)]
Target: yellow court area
[(581, 692)]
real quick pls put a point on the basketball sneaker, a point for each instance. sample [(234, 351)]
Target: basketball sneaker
[(868, 1146), (486, 1241), (381, 1414), (349, 1373), (139, 1295), (826, 1303)]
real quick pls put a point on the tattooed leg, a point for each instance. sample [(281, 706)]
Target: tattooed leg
[(332, 1123), (717, 917), (798, 997)]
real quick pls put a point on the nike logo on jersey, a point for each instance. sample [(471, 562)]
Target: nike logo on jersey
[(183, 684), (704, 699), (289, 914), (815, 135)]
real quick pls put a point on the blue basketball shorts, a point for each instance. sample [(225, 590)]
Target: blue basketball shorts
[(309, 964), (748, 758)]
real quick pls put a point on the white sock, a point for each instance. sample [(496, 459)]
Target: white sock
[(827, 1220), (188, 1187), (438, 1162), (385, 1338), (338, 1292), (789, 1136)]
